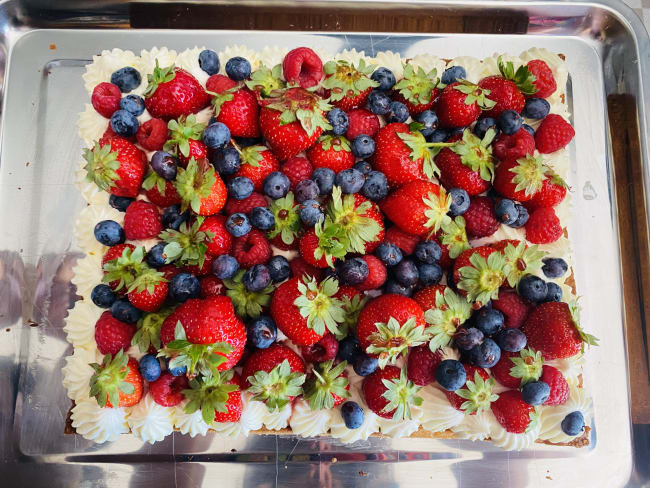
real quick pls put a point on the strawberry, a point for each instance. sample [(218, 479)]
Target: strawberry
[(553, 134), (106, 99), (543, 226), (390, 394), (417, 90), (352, 303), (168, 390), (247, 303), (285, 232), (297, 169), (428, 205), (302, 66), (321, 247), (390, 324), (477, 393), (160, 191), (300, 268), (152, 135), (514, 415), (211, 286), (120, 270), (522, 259), (446, 313), (246, 205), (559, 386), (218, 397), (173, 92), (257, 162), (376, 273), (111, 335), (514, 308), (517, 145), (142, 221), (554, 329), (251, 249), (504, 92), (233, 404), (519, 179), (237, 108), (219, 84), (544, 80), (287, 131), (356, 217), (347, 86), (361, 121), (305, 310), (551, 193), (479, 273), (200, 269), (327, 386), (426, 297), (480, 219), (116, 166), (218, 239), (274, 375), (323, 350), (148, 291), (264, 81), (188, 245), (405, 241), (185, 139), (460, 104), (331, 152), (421, 365), (515, 369), (201, 188), (116, 382)]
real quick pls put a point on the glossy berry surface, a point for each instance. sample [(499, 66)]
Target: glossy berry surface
[(256, 278), (353, 271), (184, 286), (276, 185), (324, 178), (350, 180), (363, 146), (238, 68), (240, 187), (338, 120), (509, 122), (352, 415), (506, 211), (468, 338), (554, 267), (428, 252), (103, 296), (216, 135), (483, 125), (132, 104), (522, 216), (364, 365), (406, 272), (375, 186), (149, 367), (384, 77), (310, 213), (573, 424), (120, 203), (429, 274), (429, 121), (261, 218), (452, 74), (173, 218), (279, 268), (238, 225), (489, 321), (451, 375), (261, 332), (156, 255), (553, 292), (459, 202), (227, 161), (165, 165), (123, 311), (126, 79), (511, 340), (124, 123), (535, 392), (349, 348), (397, 112), (486, 354), (378, 102), (536, 108), (532, 288), (225, 266), (109, 233), (209, 61), (388, 253), (306, 190)]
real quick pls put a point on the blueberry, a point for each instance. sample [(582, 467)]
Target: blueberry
[(430, 274), (256, 278), (451, 375), (349, 348), (364, 365), (103, 296), (216, 135), (238, 68), (224, 267), (330, 273), (468, 338), (429, 120), (375, 187), (453, 73), (388, 253), (489, 321), (486, 354), (238, 225), (536, 108), (553, 292), (393, 286), (279, 268), (523, 216), (126, 79), (384, 77), (156, 255), (378, 102), (339, 121), (428, 252), (535, 392), (509, 122), (248, 141), (363, 166), (124, 123), (573, 424), (184, 286), (397, 112), (226, 161), (506, 212), (311, 213), (276, 185), (532, 288), (353, 271), (363, 146), (120, 203), (165, 165), (172, 218), (457, 131), (529, 129), (261, 332), (406, 272), (511, 340), (123, 311), (350, 180), (109, 233), (554, 267), (324, 178), (306, 190), (438, 135), (177, 371), (352, 415), (459, 202), (240, 187), (261, 218), (209, 62), (483, 125), (149, 367)]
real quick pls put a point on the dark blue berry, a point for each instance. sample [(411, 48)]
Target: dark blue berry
[(486, 354), (177, 371), (238, 68), (363, 166), (156, 255), (384, 77), (261, 332), (240, 187), (126, 79), (573, 424), (109, 233), (459, 202), (216, 135), (535, 392), (406, 272), (364, 365), (339, 121), (226, 161), (165, 165), (209, 62), (349, 348), (149, 367), (350, 180), (429, 120), (522, 218), (532, 288), (103, 296), (375, 187), (353, 271), (363, 146), (172, 218), (248, 141), (489, 321), (468, 338), (352, 415), (428, 252), (430, 274), (120, 203), (506, 211), (482, 126), (124, 123), (184, 286), (451, 375), (554, 267), (511, 340), (133, 104), (438, 135), (457, 131), (388, 253), (378, 102), (452, 74), (393, 286), (256, 278), (509, 122), (279, 268), (224, 267), (306, 190), (261, 218), (536, 108), (310, 213), (238, 225), (397, 112), (123, 311), (324, 178), (276, 185), (553, 292), (529, 129), (451, 283)]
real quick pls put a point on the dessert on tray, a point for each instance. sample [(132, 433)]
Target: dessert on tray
[(307, 243)]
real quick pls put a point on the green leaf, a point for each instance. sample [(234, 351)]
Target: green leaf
[(450, 312), (326, 382), (401, 394), (523, 77), (109, 379), (318, 305), (392, 339), (478, 394), (528, 366), (484, 277), (247, 303)]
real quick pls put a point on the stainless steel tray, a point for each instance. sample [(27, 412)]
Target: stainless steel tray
[(43, 93)]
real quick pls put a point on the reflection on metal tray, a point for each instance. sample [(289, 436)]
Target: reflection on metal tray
[(38, 205)]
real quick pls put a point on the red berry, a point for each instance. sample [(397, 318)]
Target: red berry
[(505, 93), (553, 134), (251, 249), (219, 83), (142, 221), (550, 195), (514, 308), (169, 197), (514, 146), (220, 240), (115, 252), (170, 270), (470, 373), (303, 66), (152, 135), (167, 390), (422, 364), (234, 405), (480, 219), (501, 370), (323, 350), (543, 226), (559, 386), (197, 270), (406, 242), (111, 335), (362, 121), (544, 82), (211, 286), (376, 275), (300, 267), (297, 169), (512, 412), (246, 205), (106, 99), (280, 244)]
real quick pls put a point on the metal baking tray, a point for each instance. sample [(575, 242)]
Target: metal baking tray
[(43, 50)]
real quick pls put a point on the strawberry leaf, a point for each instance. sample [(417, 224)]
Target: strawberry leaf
[(108, 379), (455, 237), (478, 394), (159, 75), (401, 394), (209, 394), (277, 387), (484, 277), (326, 381), (392, 339), (528, 366), (450, 313), (318, 305), (523, 78), (247, 303)]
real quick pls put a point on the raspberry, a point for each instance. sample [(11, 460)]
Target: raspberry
[(553, 134), (323, 350), (406, 242), (167, 390), (170, 196), (559, 386), (219, 84), (246, 205), (550, 195), (302, 66), (514, 308), (251, 249), (211, 286), (376, 275), (297, 169), (106, 99), (300, 267), (152, 135), (111, 335), (197, 270), (142, 221), (115, 252), (480, 220), (543, 226), (362, 122), (544, 82), (422, 364), (514, 146)]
